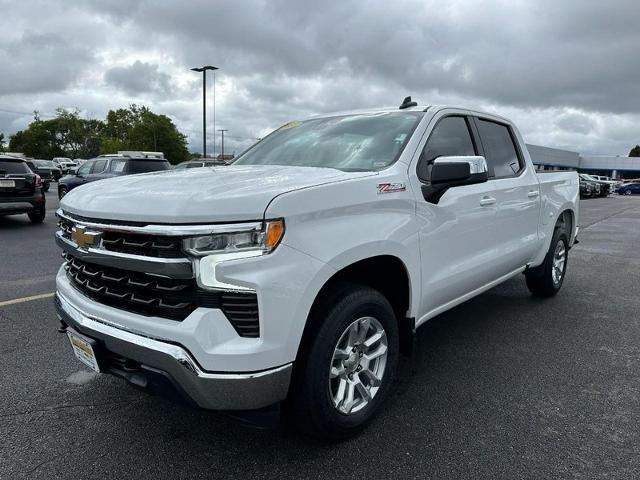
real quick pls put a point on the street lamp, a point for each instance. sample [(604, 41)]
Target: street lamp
[(204, 107)]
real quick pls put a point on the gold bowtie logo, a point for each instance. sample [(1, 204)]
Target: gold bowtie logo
[(83, 238)]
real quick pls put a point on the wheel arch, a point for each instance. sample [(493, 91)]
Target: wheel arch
[(386, 273)]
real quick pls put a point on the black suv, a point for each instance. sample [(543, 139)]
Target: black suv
[(42, 168), (107, 166), (21, 190)]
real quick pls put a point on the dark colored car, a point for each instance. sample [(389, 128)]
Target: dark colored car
[(201, 162), (56, 172), (109, 166), (21, 190), (629, 189), (41, 168)]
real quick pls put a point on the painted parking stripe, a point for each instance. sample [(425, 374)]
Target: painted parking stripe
[(26, 299)]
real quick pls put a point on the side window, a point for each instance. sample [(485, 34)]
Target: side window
[(99, 166), (117, 165), (450, 137), (500, 151), (85, 168)]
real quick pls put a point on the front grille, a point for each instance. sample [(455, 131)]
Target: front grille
[(161, 297), (134, 243)]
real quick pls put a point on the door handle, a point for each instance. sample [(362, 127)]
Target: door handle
[(485, 201), (533, 193)]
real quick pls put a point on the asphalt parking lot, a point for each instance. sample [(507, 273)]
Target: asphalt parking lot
[(504, 386)]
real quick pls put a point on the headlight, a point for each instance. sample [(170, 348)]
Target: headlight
[(263, 239)]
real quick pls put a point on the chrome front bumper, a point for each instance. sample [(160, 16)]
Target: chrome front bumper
[(210, 390)]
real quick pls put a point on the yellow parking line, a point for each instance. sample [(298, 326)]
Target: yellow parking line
[(26, 299)]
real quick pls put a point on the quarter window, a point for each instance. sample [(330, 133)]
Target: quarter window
[(499, 149), (450, 137)]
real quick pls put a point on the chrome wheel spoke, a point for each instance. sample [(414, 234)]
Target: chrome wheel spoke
[(339, 354), (342, 389), (337, 371), (381, 350), (364, 392), (363, 328), (373, 339), (371, 378)]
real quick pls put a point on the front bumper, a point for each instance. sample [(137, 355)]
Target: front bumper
[(210, 390)]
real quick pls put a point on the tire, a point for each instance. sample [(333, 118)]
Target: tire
[(62, 191), (627, 192), (347, 312), (37, 216), (546, 280)]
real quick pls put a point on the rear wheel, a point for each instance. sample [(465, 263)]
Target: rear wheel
[(348, 367), (546, 280), (37, 216)]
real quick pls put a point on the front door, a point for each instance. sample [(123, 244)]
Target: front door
[(458, 234)]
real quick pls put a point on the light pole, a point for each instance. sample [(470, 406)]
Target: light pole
[(204, 106), (223, 130)]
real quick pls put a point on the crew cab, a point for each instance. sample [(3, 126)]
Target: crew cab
[(299, 273)]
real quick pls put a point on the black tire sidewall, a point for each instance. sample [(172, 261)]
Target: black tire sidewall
[(327, 422)]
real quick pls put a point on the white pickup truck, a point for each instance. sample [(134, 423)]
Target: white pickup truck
[(300, 273)]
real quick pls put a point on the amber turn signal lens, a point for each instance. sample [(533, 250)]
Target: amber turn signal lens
[(273, 234)]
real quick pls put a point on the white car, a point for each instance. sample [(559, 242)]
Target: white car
[(65, 163), (301, 271)]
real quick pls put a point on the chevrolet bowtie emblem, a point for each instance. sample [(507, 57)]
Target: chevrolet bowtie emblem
[(83, 238)]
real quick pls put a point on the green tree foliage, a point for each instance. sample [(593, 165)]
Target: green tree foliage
[(2, 143), (138, 128), (635, 151), (69, 135)]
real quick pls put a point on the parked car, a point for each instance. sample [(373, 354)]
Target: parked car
[(56, 172), (65, 164), (601, 188), (41, 168), (21, 190), (201, 162), (301, 271), (629, 189), (108, 166)]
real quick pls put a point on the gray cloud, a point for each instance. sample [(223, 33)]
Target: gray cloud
[(565, 71), (139, 78)]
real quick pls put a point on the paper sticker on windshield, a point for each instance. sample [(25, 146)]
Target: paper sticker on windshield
[(294, 124), (391, 187)]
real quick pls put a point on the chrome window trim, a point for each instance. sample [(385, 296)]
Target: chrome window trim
[(168, 230)]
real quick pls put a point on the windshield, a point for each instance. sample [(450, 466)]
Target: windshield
[(352, 143)]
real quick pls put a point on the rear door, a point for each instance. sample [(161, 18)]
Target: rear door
[(516, 191)]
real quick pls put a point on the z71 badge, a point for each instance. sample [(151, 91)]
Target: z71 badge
[(391, 187)]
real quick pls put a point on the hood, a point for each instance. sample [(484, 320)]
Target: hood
[(197, 195)]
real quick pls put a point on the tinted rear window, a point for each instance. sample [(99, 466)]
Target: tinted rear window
[(146, 165), (10, 166)]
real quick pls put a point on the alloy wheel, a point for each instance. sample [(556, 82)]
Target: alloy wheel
[(358, 365)]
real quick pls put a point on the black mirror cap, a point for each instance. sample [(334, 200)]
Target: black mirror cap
[(448, 175), (449, 172)]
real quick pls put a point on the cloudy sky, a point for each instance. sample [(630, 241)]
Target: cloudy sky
[(568, 72)]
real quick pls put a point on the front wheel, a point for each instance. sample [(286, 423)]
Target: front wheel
[(627, 192), (347, 368), (62, 191), (546, 280)]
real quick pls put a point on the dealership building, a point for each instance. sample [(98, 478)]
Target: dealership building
[(546, 158)]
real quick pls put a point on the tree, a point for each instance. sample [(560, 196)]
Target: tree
[(138, 128), (635, 151), (2, 142), (69, 135)]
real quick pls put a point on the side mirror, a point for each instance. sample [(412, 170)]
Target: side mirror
[(449, 172)]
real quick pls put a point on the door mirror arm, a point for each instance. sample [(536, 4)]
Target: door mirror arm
[(450, 172)]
